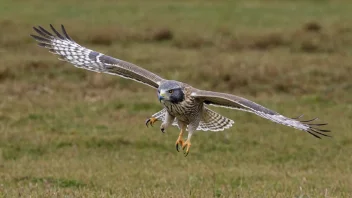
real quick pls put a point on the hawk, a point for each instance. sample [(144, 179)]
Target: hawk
[(183, 105)]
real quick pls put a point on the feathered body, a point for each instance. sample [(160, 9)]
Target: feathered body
[(184, 105), (187, 109)]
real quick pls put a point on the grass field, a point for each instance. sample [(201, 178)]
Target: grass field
[(67, 132)]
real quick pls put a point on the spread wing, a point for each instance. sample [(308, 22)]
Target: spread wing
[(235, 102), (81, 57)]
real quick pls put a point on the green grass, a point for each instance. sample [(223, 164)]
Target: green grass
[(67, 132)]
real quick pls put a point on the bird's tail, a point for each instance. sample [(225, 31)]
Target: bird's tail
[(212, 121)]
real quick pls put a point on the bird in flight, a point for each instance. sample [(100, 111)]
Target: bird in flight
[(183, 105)]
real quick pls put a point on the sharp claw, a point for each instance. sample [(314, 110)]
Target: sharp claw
[(186, 146), (150, 122), (179, 143)]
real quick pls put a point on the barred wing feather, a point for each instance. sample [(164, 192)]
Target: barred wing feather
[(235, 102), (81, 57)]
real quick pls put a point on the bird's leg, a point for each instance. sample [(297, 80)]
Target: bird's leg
[(151, 121), (187, 143), (179, 141), (167, 122)]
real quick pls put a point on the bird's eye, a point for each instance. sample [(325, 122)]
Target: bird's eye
[(170, 91)]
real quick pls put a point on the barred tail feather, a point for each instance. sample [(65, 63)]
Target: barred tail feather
[(212, 121)]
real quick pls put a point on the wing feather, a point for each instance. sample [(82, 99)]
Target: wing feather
[(239, 103), (81, 57)]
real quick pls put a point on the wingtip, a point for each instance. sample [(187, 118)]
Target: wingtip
[(318, 132), (314, 135), (35, 36), (298, 117), (311, 120), (40, 39), (65, 33)]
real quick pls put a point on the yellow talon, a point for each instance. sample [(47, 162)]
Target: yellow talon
[(186, 145), (150, 121), (179, 140)]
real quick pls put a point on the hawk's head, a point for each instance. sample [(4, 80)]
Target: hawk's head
[(171, 91)]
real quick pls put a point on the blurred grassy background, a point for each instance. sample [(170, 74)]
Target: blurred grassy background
[(70, 132)]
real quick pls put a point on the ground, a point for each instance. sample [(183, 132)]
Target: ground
[(71, 132)]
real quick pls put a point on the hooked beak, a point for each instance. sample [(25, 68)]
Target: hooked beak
[(161, 96)]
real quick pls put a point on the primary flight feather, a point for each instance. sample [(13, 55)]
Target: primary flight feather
[(184, 105)]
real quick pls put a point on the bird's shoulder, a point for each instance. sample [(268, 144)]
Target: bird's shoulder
[(187, 89)]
